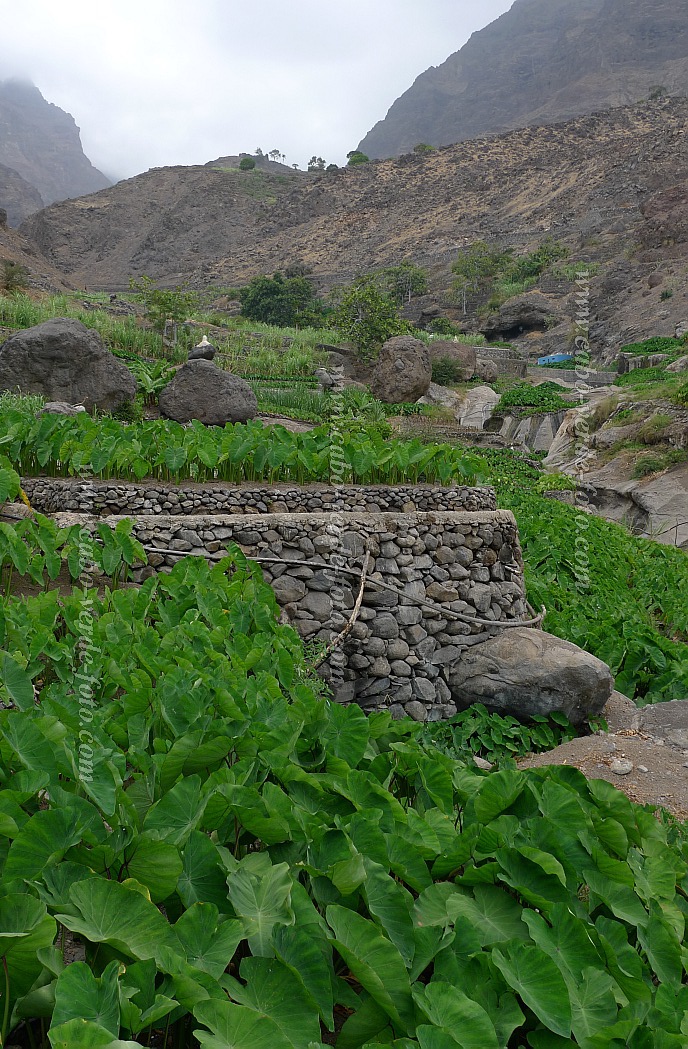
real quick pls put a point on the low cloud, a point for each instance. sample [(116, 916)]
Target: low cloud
[(156, 82)]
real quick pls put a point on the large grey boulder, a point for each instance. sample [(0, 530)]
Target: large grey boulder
[(65, 361), (202, 391), (402, 372), (478, 406), (679, 366), (525, 672)]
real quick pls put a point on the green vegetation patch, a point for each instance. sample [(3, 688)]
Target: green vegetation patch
[(617, 596), (76, 446), (657, 344), (496, 738), (248, 864), (543, 398)]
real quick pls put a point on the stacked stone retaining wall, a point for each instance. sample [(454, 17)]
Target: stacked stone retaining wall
[(508, 362), (53, 494), (447, 578)]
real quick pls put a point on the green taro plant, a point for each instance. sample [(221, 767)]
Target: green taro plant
[(72, 446), (245, 864), (475, 731)]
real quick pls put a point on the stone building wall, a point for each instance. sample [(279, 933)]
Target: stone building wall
[(447, 576)]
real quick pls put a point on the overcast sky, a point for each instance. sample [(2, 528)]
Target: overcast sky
[(157, 82)]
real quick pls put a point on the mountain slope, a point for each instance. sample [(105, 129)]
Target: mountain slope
[(542, 61), (41, 143), (613, 186), (17, 196)]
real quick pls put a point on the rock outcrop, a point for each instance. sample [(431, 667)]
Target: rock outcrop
[(41, 143), (202, 391), (64, 360), (525, 672), (18, 198), (524, 313), (543, 61), (402, 372)]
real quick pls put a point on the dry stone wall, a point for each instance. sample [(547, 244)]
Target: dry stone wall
[(438, 582), (54, 494)]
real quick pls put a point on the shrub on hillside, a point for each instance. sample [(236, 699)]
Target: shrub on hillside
[(13, 276), (446, 371)]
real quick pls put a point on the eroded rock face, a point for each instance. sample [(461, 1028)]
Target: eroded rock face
[(65, 361), (525, 672), (402, 372), (530, 312), (202, 391), (478, 406)]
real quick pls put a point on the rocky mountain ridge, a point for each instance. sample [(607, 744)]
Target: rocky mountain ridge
[(542, 61), (39, 144), (611, 186)]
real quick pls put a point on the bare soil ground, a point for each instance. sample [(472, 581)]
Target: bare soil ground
[(652, 740)]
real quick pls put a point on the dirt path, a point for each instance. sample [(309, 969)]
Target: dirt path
[(644, 753)]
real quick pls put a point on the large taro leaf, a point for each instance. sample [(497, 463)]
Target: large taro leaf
[(567, 940), (299, 950), (346, 733), (28, 742), (619, 898), (392, 906), (20, 914), (430, 909), (538, 981), (108, 912), (536, 875), (272, 990), (494, 914), (448, 1007), (45, 839), (622, 961), (662, 947), (495, 795), (177, 814), (203, 877), (58, 880), (236, 1027), (208, 944), (261, 901), (155, 864), (593, 1003), (25, 928), (16, 682), (81, 995), (375, 963), (83, 1034), (24, 966)]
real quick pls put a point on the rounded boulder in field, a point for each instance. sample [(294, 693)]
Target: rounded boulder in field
[(65, 361), (202, 391), (524, 672), (402, 372)]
